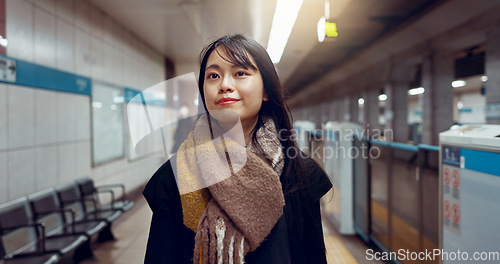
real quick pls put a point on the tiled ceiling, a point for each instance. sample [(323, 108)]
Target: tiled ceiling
[(361, 23), (180, 28)]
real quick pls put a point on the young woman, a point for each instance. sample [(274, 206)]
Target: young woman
[(267, 210)]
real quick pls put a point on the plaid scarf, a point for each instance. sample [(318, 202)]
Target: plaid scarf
[(231, 195)]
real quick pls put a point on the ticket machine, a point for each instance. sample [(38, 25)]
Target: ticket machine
[(469, 193)]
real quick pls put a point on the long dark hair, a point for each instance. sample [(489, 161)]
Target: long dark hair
[(298, 209)]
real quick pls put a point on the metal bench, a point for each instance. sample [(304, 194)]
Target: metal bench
[(71, 199), (22, 239), (47, 209), (41, 259), (91, 192)]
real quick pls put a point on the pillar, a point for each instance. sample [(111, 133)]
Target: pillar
[(437, 75), (340, 108), (347, 109), (325, 115), (492, 70), (315, 115), (354, 107), (371, 109), (396, 108), (399, 105), (334, 111)]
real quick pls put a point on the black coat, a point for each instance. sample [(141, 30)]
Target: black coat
[(172, 242)]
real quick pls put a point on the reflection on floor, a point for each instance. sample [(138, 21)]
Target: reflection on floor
[(345, 249), (132, 229), (336, 251), (131, 232), (404, 235)]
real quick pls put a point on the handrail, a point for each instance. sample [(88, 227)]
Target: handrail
[(428, 147), (398, 145), (379, 142)]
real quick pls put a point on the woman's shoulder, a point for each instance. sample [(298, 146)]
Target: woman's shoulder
[(162, 176), (161, 190), (319, 182)]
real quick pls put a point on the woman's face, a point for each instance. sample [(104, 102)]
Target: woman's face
[(229, 86)]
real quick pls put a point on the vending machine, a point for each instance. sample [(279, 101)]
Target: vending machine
[(470, 194)]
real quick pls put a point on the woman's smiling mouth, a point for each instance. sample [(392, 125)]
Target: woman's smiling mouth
[(227, 101)]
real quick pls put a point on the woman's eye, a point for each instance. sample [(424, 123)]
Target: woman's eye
[(241, 73), (212, 76)]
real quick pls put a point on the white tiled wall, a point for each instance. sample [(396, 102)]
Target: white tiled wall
[(82, 112), (19, 29), (45, 38), (4, 186), (45, 136), (82, 52), (45, 117), (65, 42), (67, 161), (21, 116), (21, 172), (65, 124), (47, 169), (3, 117), (83, 158)]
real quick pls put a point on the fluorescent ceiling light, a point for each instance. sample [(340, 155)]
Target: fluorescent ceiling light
[(361, 101), (382, 97), (321, 29), (484, 78), (284, 18), (458, 83), (415, 91)]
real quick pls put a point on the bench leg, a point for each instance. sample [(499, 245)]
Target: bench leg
[(106, 234), (83, 252)]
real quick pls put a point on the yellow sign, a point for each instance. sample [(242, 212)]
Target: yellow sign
[(326, 29), (331, 30)]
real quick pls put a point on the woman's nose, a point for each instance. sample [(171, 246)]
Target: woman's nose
[(227, 85)]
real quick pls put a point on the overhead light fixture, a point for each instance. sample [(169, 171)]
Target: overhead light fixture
[(325, 27), (458, 83), (484, 78), (284, 18), (416, 91), (321, 29), (361, 101), (382, 97)]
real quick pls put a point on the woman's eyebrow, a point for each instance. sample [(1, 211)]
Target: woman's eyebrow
[(212, 66), (216, 66)]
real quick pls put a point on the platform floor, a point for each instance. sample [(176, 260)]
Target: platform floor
[(132, 229)]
